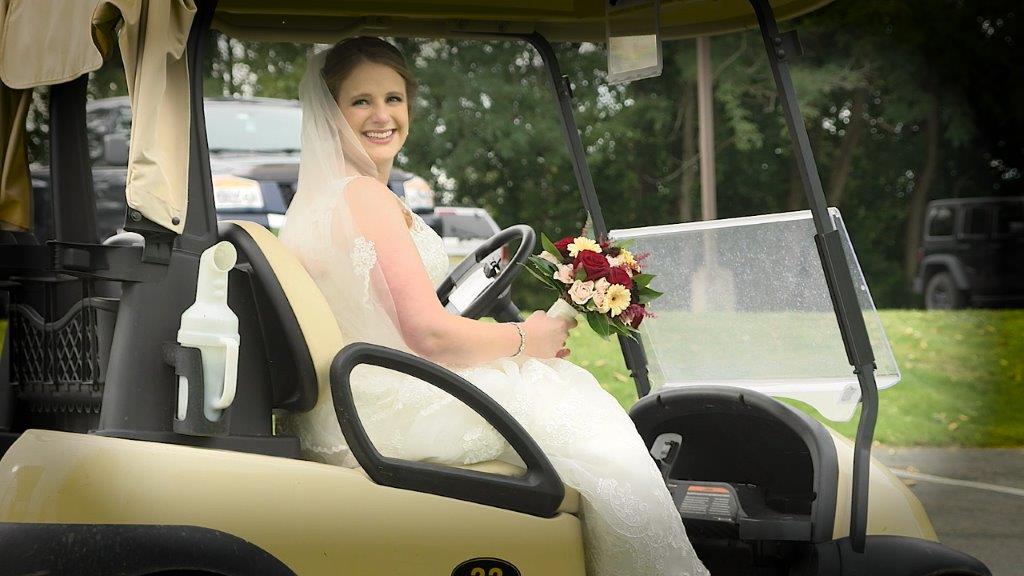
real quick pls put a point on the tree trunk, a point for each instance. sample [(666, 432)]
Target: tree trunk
[(689, 175), (854, 131), (706, 130), (919, 197)]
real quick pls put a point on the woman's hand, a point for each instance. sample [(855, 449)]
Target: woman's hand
[(546, 336)]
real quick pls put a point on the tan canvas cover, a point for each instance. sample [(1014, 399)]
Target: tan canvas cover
[(15, 185), (42, 42), (152, 39), (45, 42)]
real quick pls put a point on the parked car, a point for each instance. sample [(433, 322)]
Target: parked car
[(254, 157), (972, 253), (463, 229)]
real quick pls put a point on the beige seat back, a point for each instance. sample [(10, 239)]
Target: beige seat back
[(313, 315)]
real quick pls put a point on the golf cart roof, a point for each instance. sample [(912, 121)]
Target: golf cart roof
[(152, 39), (556, 20)]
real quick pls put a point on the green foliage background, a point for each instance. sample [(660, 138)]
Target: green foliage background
[(904, 102)]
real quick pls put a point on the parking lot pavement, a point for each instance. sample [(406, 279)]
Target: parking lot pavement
[(975, 499)]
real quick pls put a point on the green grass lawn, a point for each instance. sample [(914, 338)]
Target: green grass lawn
[(963, 377)]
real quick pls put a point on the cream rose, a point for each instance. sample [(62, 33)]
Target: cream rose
[(599, 297), (564, 274), (580, 291)]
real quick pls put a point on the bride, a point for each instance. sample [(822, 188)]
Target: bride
[(377, 263)]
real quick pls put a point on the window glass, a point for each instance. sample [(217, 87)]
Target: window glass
[(977, 221), (940, 222), (1010, 219)]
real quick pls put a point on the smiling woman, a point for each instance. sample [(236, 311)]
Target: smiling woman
[(373, 87), (373, 100)]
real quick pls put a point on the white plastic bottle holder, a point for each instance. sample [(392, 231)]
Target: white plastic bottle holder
[(210, 326)]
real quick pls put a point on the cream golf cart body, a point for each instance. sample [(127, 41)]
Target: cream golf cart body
[(150, 487)]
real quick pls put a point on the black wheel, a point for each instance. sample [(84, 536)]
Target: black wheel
[(941, 293)]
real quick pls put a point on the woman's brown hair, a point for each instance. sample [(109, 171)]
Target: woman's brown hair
[(346, 55)]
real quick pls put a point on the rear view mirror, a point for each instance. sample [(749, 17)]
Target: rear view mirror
[(634, 40), (115, 150)]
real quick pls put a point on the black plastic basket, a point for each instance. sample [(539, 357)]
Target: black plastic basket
[(60, 366)]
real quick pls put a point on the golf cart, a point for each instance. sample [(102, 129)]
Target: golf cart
[(113, 463)]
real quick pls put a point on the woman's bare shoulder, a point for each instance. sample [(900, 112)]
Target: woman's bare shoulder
[(362, 188), (371, 197)]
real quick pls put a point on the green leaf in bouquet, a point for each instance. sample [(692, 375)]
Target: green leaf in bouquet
[(622, 329), (647, 294), (581, 274), (643, 280), (543, 265), (549, 247), (543, 275), (599, 324)]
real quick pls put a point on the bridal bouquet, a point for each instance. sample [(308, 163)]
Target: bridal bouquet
[(603, 281)]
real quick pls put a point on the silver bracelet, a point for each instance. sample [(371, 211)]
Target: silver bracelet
[(522, 340)]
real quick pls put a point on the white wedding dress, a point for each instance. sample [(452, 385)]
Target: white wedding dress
[(631, 526)]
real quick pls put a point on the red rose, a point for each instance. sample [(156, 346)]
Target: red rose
[(619, 275), (633, 315), (594, 263), (563, 245)]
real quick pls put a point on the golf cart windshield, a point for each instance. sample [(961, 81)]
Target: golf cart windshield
[(746, 304)]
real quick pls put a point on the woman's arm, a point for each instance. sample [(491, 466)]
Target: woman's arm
[(427, 328)]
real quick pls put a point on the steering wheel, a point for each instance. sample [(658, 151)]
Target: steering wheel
[(479, 285)]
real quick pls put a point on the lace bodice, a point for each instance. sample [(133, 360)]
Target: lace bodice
[(430, 247)]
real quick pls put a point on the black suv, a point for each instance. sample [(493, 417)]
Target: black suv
[(972, 253), (254, 156)]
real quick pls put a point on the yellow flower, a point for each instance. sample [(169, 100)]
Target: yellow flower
[(583, 243), (617, 299), (626, 257)]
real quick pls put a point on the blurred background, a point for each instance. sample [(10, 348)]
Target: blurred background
[(904, 102)]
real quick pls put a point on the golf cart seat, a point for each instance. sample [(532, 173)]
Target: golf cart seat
[(300, 340)]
